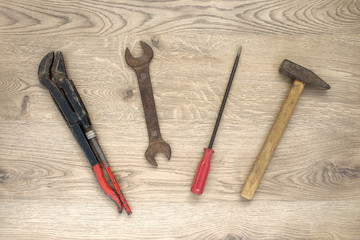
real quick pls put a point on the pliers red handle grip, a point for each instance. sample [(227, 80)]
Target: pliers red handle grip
[(117, 197), (98, 171)]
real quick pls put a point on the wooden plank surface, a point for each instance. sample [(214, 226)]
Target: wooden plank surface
[(311, 189)]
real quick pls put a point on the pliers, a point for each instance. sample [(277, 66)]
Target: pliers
[(52, 75)]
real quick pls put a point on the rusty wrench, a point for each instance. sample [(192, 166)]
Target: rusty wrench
[(141, 68)]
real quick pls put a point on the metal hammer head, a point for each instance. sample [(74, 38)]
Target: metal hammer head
[(295, 71)]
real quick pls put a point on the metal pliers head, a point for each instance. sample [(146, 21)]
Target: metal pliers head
[(52, 69), (52, 74)]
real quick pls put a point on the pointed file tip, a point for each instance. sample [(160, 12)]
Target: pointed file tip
[(239, 51)]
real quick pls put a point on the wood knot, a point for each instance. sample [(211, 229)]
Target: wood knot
[(232, 237), (25, 106), (155, 42), (127, 94), (3, 176), (337, 173)]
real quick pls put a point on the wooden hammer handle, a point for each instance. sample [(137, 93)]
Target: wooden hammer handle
[(272, 141)]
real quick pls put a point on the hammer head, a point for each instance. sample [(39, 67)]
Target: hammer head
[(295, 71)]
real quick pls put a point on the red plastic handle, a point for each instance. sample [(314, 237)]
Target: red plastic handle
[(118, 191), (105, 187), (202, 172)]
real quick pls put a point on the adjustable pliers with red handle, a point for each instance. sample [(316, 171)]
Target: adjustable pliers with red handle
[(52, 75)]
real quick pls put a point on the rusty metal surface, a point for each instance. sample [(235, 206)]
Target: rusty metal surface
[(141, 68), (295, 71)]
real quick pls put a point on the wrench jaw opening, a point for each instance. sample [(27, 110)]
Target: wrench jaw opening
[(145, 58), (155, 147)]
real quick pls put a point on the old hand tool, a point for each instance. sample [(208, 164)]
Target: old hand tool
[(301, 76), (141, 68), (203, 168), (52, 75)]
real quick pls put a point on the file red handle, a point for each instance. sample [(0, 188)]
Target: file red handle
[(203, 168), (202, 172)]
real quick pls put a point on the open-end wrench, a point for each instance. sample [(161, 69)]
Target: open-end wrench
[(141, 68)]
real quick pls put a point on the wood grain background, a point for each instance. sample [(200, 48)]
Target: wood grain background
[(311, 189)]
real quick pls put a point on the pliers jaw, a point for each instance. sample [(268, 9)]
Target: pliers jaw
[(58, 70), (52, 74), (52, 69), (44, 69)]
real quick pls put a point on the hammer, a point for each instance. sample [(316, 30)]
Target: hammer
[(301, 76)]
